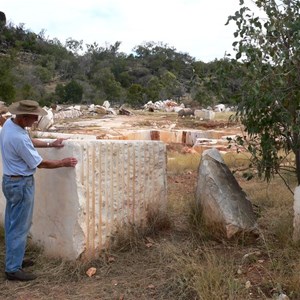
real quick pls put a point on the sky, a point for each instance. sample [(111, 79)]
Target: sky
[(196, 27)]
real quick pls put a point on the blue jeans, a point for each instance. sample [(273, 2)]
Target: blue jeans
[(19, 194)]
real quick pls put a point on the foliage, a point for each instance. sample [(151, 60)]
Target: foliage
[(153, 71), (7, 89), (70, 93), (218, 82), (135, 95), (269, 48), (43, 74)]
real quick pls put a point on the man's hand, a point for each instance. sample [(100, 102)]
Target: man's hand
[(69, 162), (58, 143)]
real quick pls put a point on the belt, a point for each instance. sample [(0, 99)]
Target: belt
[(17, 176)]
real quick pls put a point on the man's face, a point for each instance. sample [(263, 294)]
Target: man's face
[(29, 120)]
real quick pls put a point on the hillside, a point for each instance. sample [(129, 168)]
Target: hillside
[(51, 71)]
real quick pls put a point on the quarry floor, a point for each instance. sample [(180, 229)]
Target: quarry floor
[(140, 120)]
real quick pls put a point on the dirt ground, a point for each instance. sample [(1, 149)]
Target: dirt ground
[(145, 268)]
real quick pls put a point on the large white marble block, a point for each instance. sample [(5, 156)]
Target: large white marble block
[(114, 183)]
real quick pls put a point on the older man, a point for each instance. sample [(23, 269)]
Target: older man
[(20, 160)]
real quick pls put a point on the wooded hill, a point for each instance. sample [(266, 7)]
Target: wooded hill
[(48, 71)]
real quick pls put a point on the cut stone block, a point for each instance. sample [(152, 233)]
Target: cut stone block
[(114, 183), (187, 137), (204, 114)]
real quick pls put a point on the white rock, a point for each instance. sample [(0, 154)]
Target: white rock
[(45, 122)]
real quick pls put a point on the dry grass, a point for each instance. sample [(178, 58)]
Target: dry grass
[(176, 257), (181, 163), (214, 269), (223, 116), (237, 160)]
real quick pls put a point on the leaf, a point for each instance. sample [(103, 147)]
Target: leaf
[(238, 55)]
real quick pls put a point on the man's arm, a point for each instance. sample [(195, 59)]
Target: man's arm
[(42, 144), (54, 164)]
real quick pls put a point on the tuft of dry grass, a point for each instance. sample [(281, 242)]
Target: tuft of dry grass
[(236, 161), (223, 116), (179, 163), (132, 237)]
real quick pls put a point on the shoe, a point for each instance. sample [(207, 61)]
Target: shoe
[(20, 275), (27, 263)]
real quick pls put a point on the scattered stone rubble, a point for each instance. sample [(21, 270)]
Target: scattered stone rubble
[(166, 105), (204, 114), (58, 112), (172, 106), (198, 140), (71, 112)]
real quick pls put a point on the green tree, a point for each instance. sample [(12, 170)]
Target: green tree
[(135, 95), (269, 48), (170, 83), (7, 88), (42, 74), (159, 60), (152, 89), (27, 91), (7, 92), (104, 79), (60, 93), (74, 45), (73, 92), (70, 93)]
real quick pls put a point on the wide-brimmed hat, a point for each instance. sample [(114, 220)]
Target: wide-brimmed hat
[(26, 107)]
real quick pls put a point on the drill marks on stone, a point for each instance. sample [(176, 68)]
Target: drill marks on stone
[(138, 178), (120, 181), (100, 241), (87, 186), (93, 208), (133, 184)]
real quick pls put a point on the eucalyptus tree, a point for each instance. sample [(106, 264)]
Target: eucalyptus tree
[(168, 65), (218, 81), (268, 44), (74, 45)]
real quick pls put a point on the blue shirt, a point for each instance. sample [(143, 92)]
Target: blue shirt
[(19, 157)]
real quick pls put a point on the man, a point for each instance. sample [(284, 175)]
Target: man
[(20, 160)]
